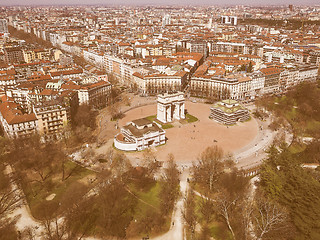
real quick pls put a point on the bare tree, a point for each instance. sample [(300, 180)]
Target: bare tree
[(29, 233), (116, 207), (170, 186), (151, 163), (268, 217), (10, 194), (188, 212), (9, 199), (115, 110), (54, 228), (225, 207), (207, 208), (232, 191), (120, 164), (209, 167), (246, 216)]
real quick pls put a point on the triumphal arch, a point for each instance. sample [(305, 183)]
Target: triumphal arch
[(170, 107)]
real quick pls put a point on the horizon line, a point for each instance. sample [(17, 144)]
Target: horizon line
[(158, 5)]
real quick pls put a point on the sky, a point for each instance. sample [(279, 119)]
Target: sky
[(158, 2)]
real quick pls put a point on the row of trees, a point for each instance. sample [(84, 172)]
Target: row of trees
[(30, 38), (153, 88), (211, 93), (288, 23)]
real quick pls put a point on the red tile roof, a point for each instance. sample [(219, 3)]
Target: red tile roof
[(12, 115)]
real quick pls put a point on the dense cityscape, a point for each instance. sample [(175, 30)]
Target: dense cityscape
[(160, 122)]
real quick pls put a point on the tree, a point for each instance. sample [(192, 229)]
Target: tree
[(232, 190), (54, 229), (115, 110), (81, 219), (284, 182), (120, 165), (85, 116), (268, 216), (151, 163), (116, 208), (10, 198), (209, 167), (246, 217), (250, 67), (170, 186), (206, 208), (188, 212)]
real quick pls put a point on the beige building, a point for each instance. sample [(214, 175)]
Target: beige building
[(159, 83), (16, 124), (52, 117), (95, 94)]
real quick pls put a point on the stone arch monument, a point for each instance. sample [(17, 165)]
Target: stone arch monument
[(170, 107)]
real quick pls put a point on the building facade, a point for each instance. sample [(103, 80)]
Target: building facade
[(138, 135), (229, 112), (170, 107)]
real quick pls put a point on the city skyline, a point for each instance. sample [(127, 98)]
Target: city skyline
[(156, 120), (154, 2)]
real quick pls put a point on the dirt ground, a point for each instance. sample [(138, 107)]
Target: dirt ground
[(187, 141)]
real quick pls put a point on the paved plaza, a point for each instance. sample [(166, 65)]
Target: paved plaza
[(187, 141)]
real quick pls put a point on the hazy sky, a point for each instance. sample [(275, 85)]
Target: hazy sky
[(159, 2)]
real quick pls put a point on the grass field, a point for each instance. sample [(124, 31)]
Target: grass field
[(37, 192), (148, 210), (218, 230)]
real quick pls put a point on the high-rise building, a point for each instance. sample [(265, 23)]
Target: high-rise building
[(199, 46), (291, 7), (231, 20), (166, 20), (3, 26)]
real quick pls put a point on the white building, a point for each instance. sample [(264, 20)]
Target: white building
[(16, 124), (232, 20), (94, 57), (95, 94), (170, 107), (138, 135), (3, 26)]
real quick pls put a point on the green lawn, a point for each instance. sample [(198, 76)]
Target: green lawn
[(150, 197), (163, 125), (190, 118), (37, 192), (167, 126), (151, 118), (218, 230), (148, 209), (297, 148), (313, 125)]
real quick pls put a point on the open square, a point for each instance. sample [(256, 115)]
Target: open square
[(183, 138)]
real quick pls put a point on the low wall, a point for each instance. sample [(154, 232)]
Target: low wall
[(124, 146)]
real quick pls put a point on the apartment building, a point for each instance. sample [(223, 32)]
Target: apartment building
[(95, 94), (15, 123)]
